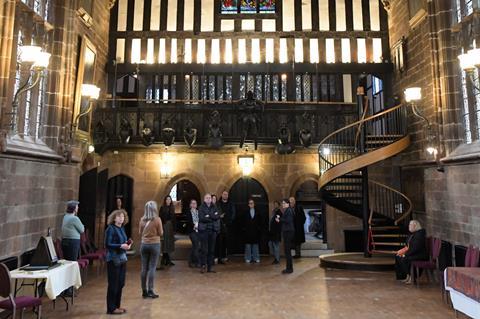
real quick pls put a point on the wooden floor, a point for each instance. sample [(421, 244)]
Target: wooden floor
[(239, 290)]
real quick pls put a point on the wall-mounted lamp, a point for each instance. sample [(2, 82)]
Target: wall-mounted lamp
[(91, 92), (246, 163), (412, 96), (469, 62), (39, 60), (165, 165)]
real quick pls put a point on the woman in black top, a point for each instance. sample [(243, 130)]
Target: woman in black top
[(416, 249), (288, 234), (167, 214)]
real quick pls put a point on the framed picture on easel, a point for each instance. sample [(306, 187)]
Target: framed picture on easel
[(82, 115)]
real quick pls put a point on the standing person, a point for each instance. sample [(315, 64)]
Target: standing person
[(117, 245), (207, 229), (299, 226), (167, 214), (288, 234), (275, 232), (253, 232), (72, 228), (151, 230), (192, 231), (227, 216)]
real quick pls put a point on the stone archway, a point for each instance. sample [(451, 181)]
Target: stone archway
[(240, 192)]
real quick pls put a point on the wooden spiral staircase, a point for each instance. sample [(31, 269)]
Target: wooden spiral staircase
[(344, 157)]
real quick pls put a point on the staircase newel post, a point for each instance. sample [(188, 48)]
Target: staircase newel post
[(362, 149)]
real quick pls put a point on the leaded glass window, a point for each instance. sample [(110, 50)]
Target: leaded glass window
[(267, 88), (204, 86), (195, 88), (258, 87), (228, 87), (298, 88), (211, 87), (220, 88), (243, 83), (284, 87), (250, 83), (187, 88), (307, 87), (275, 88)]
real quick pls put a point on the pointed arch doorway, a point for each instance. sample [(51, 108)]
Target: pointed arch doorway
[(184, 191), (240, 192)]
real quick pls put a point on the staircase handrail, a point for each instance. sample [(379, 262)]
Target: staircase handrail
[(405, 214), (357, 123)]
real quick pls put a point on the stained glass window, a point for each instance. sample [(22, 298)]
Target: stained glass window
[(307, 86), (250, 83), (204, 86), (229, 6), (195, 88), (267, 5), (248, 6)]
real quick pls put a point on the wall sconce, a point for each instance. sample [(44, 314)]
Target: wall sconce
[(165, 165), (39, 60), (469, 62), (412, 96), (91, 92), (246, 163)]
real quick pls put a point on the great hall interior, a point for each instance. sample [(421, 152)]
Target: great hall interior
[(343, 132)]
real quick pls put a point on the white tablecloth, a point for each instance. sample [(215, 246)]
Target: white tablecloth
[(56, 279), (462, 303)]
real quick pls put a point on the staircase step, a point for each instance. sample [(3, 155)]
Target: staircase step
[(384, 227), (388, 252), (384, 136), (390, 235), (388, 243)]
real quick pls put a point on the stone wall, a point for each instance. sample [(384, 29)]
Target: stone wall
[(453, 203), (34, 191), (32, 198), (337, 222), (210, 171), (446, 203)]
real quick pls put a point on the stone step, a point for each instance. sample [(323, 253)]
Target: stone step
[(315, 252), (314, 245)]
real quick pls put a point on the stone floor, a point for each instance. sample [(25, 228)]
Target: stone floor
[(260, 291)]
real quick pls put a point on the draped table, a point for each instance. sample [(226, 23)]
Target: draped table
[(56, 279), (463, 283)]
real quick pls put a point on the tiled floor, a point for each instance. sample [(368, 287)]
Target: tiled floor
[(260, 291)]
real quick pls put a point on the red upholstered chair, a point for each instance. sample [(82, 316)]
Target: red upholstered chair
[(13, 303), (86, 253), (430, 266), (472, 257)]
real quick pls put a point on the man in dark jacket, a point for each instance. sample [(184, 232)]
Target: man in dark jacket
[(224, 238), (252, 233), (299, 226), (207, 229), (288, 234)]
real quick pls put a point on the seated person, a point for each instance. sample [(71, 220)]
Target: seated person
[(416, 249)]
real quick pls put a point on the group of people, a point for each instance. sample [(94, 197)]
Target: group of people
[(209, 226)]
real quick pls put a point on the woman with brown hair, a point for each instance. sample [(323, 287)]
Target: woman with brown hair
[(167, 215), (117, 244)]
